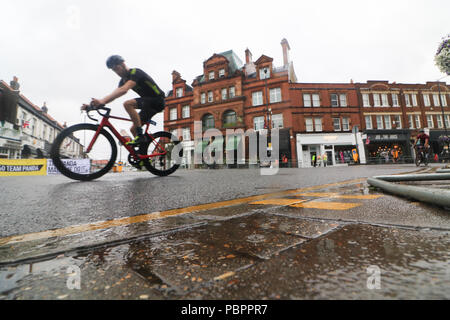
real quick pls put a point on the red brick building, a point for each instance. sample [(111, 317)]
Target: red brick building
[(333, 119), (232, 95), (392, 114)]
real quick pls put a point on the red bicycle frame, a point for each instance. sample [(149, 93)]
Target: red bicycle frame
[(105, 123)]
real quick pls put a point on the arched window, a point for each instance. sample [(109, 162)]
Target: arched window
[(207, 121), (229, 118)]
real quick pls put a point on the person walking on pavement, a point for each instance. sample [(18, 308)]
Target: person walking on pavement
[(325, 159), (395, 154)]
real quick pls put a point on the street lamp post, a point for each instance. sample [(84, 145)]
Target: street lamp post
[(268, 112), (442, 107), (443, 114)]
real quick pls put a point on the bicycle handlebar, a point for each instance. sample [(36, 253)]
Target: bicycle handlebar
[(90, 108)]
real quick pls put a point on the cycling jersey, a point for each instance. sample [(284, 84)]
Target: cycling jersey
[(145, 86), (423, 137)]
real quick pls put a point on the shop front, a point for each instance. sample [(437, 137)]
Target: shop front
[(339, 149), (188, 154), (440, 143), (388, 146)]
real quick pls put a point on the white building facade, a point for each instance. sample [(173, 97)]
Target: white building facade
[(27, 131), (337, 146)]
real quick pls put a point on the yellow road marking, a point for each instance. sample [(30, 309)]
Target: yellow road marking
[(326, 205), (280, 202), (224, 276), (158, 215), (341, 196)]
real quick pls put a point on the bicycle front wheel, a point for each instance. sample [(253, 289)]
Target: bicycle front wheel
[(168, 153), (72, 157)]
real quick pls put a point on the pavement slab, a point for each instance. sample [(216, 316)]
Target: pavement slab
[(412, 265)]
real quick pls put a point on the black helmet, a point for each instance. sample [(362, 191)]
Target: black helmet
[(421, 130), (113, 61)]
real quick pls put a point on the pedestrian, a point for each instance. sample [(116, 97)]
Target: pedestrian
[(325, 159), (319, 159), (285, 161), (386, 156), (395, 154), (314, 162)]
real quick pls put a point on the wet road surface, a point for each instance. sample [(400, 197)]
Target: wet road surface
[(339, 240)]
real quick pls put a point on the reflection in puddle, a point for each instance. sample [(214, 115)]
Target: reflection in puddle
[(12, 278)]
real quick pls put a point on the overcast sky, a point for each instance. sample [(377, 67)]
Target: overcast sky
[(58, 48)]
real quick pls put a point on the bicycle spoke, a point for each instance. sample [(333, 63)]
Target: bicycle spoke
[(162, 149), (76, 157)]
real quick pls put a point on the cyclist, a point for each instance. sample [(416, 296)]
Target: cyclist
[(151, 99), (422, 141)]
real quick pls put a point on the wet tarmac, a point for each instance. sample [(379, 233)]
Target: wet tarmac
[(379, 247)]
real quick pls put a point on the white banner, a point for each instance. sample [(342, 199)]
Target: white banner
[(81, 166)]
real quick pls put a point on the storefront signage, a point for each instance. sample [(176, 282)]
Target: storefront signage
[(387, 137), (330, 138)]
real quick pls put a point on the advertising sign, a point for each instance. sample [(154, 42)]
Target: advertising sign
[(23, 167), (81, 166)]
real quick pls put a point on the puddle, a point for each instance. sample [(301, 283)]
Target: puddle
[(15, 278), (411, 265)]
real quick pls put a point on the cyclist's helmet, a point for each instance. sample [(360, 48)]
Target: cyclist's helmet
[(113, 61)]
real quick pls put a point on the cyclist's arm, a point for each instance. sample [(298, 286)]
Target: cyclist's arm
[(116, 93)]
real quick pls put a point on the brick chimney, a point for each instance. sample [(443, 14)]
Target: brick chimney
[(175, 76), (15, 83), (248, 56), (250, 67), (286, 48)]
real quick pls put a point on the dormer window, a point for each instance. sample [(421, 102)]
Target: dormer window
[(179, 92), (211, 75), (264, 73), (221, 73)]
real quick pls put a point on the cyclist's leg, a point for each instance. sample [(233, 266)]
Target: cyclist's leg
[(130, 107), (150, 107)]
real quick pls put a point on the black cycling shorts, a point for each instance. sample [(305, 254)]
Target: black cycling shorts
[(149, 107)]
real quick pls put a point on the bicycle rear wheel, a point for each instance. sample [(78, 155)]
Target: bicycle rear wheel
[(425, 159), (417, 161), (70, 156), (169, 146)]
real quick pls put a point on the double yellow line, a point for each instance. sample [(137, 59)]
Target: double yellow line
[(159, 215)]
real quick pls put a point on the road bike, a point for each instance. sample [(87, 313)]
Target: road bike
[(421, 156), (87, 151)]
